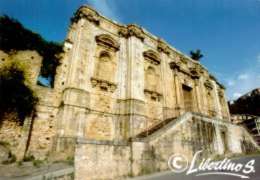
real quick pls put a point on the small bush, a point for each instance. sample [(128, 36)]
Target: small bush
[(37, 163), (19, 163), (11, 159), (70, 160), (28, 158), (4, 143)]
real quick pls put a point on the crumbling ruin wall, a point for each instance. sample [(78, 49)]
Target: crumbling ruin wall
[(36, 136)]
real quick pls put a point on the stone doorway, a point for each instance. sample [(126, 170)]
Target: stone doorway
[(225, 141), (187, 96)]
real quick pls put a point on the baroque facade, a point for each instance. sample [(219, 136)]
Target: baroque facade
[(124, 101)]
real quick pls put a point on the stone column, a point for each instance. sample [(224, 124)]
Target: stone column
[(217, 106), (203, 94), (177, 92), (219, 141), (72, 78), (135, 78), (198, 95)]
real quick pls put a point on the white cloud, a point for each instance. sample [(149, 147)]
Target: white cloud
[(231, 83), (243, 80), (106, 8), (236, 95), (243, 76)]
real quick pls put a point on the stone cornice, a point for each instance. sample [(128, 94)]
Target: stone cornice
[(163, 47), (208, 84), (194, 73), (87, 13), (175, 65), (107, 41), (132, 30)]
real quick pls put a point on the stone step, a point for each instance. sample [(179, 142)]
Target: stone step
[(154, 128)]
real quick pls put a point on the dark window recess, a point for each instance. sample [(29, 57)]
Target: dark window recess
[(43, 81)]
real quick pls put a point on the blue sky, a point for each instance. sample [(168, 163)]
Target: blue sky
[(227, 31)]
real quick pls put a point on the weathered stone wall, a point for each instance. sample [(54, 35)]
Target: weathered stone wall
[(102, 160), (119, 80), (30, 60), (44, 123), (37, 135), (115, 82), (187, 135)]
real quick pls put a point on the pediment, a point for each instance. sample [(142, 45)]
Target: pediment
[(152, 56), (107, 41)]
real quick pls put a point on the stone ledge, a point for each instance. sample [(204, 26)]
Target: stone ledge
[(102, 142)]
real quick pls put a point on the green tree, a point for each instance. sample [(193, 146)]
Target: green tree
[(16, 96), (196, 55), (14, 36)]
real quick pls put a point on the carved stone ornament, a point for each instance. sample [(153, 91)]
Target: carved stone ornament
[(163, 47), (155, 96), (132, 30), (107, 41), (152, 57), (221, 94), (103, 84), (208, 84), (194, 73), (87, 13), (174, 65), (183, 59)]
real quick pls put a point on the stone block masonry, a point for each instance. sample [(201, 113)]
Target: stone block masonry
[(124, 101)]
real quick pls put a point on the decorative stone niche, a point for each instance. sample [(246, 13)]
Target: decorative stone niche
[(105, 66), (152, 75)]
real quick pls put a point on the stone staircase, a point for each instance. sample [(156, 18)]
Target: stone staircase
[(163, 126), (250, 124), (154, 128)]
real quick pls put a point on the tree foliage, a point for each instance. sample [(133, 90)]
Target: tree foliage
[(249, 104), (16, 96), (196, 55), (13, 36)]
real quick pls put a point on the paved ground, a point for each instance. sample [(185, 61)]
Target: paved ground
[(29, 171), (182, 176)]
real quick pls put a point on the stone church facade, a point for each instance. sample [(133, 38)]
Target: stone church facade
[(124, 101)]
